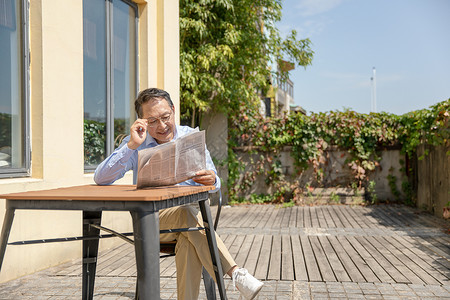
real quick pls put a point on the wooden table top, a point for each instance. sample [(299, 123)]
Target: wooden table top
[(109, 193)]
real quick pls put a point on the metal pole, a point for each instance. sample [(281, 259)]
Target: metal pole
[(374, 90)]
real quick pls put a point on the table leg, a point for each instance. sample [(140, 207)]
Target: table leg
[(146, 246), (90, 252), (210, 234), (7, 223)]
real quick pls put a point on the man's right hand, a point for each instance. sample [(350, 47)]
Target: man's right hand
[(138, 133)]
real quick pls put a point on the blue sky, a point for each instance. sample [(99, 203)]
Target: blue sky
[(407, 41)]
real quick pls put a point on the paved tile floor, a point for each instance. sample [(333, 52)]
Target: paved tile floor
[(45, 285)]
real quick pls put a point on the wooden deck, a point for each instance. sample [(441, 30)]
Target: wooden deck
[(331, 243)]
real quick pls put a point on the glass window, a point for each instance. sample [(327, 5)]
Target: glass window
[(110, 75), (14, 137)]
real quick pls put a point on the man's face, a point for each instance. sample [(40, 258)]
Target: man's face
[(160, 118)]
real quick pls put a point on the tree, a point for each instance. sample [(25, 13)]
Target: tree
[(227, 49)]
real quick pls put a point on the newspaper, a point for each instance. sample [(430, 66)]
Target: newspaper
[(172, 162)]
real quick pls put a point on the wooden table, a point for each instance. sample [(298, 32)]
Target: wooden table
[(143, 204)]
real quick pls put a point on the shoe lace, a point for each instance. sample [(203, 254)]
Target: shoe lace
[(238, 275)]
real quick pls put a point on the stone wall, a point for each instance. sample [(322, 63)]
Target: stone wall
[(336, 173)]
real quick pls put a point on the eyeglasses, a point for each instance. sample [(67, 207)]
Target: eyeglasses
[(153, 122)]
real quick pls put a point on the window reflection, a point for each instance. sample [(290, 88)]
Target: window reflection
[(109, 48), (12, 112), (94, 64), (124, 40)]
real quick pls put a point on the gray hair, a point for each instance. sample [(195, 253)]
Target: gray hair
[(150, 94)]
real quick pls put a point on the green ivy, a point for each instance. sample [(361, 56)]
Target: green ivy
[(94, 142), (362, 136)]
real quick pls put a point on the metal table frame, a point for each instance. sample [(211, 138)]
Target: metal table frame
[(145, 217)]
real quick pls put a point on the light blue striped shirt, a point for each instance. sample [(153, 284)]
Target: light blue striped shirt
[(124, 159)]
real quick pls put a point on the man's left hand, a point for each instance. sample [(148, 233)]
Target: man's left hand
[(205, 177)]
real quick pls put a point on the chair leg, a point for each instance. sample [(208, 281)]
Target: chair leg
[(210, 285)]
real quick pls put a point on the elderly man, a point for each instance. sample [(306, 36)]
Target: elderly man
[(156, 125)]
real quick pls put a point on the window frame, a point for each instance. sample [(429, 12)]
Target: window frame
[(24, 171), (109, 7)]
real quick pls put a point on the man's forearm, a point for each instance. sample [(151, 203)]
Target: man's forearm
[(115, 166)]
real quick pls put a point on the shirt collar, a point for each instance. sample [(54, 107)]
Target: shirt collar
[(150, 141)]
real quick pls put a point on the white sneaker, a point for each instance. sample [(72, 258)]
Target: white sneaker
[(248, 285)]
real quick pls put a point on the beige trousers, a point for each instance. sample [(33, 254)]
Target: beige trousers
[(192, 250)]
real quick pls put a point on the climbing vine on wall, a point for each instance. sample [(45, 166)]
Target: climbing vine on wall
[(362, 136)]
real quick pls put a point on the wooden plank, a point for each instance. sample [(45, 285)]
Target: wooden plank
[(443, 242), (427, 262), (299, 260), (385, 220), (248, 217), (386, 250), (170, 268), (279, 218), (407, 218), (286, 217), (356, 213), (345, 211), (267, 220), (417, 244), (132, 268), (425, 241), (409, 259), (261, 212), (241, 256), (114, 264), (307, 217), (383, 262), (314, 217), (438, 247), (287, 264), (334, 217), (328, 218), (293, 217), (345, 223), (367, 212), (264, 258), (322, 261), (226, 214), (300, 217), (228, 239), (236, 217), (336, 265), (351, 261), (254, 253), (129, 263), (106, 260), (378, 270), (275, 259), (310, 260), (321, 217), (273, 217), (236, 246), (429, 219)]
